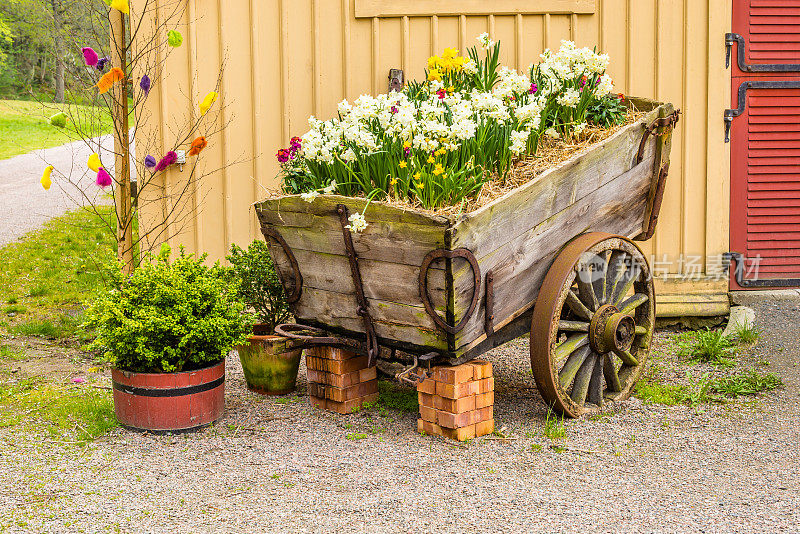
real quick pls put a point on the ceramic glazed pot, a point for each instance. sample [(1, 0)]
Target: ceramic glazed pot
[(270, 364), (165, 402)]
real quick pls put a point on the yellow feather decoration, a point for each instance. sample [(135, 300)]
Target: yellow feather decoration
[(46, 181)]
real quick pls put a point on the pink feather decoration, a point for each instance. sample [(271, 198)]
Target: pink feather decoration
[(103, 178), (168, 159), (90, 56)]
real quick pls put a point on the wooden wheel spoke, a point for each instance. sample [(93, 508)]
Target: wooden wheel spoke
[(573, 326), (580, 386), (573, 363), (601, 283), (610, 373), (622, 289), (577, 307), (586, 288), (595, 394), (631, 303), (616, 270), (572, 343), (628, 358)]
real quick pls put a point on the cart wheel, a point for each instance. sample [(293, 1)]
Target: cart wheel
[(592, 324)]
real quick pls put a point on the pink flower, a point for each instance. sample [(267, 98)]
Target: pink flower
[(78, 380), (89, 56), (533, 89), (283, 155)]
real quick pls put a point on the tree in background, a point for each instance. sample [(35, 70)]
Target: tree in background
[(116, 77)]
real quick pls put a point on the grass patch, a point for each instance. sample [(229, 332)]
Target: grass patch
[(553, 426), (63, 326), (706, 346), (746, 334), (25, 126), (77, 413), (658, 393), (396, 397), (14, 309), (356, 436), (52, 272), (705, 389)]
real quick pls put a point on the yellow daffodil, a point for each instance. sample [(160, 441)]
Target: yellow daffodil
[(433, 62), (420, 185), (441, 152), (402, 164), (407, 144), (434, 75), (393, 181), (431, 159), (451, 89), (450, 53), (417, 175), (438, 170)]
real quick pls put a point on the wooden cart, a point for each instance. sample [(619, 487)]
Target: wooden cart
[(553, 257)]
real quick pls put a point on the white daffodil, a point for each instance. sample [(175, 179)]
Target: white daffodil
[(357, 223), (309, 196), (330, 188), (552, 133)]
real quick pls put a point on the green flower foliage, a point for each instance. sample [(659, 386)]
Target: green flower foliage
[(169, 316), (259, 285)]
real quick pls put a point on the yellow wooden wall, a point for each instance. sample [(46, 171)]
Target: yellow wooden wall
[(288, 59)]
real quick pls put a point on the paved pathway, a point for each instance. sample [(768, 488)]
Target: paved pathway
[(25, 205)]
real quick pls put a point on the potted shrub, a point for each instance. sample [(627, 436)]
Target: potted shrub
[(270, 362), (166, 330)]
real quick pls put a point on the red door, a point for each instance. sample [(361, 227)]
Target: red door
[(764, 122)]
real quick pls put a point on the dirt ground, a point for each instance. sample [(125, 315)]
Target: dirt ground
[(276, 464)]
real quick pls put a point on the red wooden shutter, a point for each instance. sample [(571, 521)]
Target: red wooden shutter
[(765, 139)]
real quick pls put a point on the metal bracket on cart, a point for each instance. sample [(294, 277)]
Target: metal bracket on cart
[(659, 127), (373, 349)]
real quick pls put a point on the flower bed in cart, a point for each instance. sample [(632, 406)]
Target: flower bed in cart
[(427, 220)]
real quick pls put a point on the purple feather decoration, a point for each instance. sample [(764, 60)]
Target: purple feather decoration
[(101, 63), (168, 159), (89, 56), (144, 83), (103, 178), (149, 161)]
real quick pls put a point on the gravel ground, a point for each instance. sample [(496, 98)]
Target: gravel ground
[(25, 206), (278, 465)]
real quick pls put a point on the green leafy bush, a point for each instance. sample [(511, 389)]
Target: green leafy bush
[(259, 285), (169, 316)]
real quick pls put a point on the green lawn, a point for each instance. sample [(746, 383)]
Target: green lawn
[(46, 278), (25, 126)]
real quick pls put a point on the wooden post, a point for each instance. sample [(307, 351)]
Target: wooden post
[(122, 171)]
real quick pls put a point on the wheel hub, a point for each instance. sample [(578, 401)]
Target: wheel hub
[(611, 331)]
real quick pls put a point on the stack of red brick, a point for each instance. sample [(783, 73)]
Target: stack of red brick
[(339, 380), (458, 402)]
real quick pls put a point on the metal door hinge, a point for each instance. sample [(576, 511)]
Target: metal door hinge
[(731, 114), (738, 274), (736, 39)]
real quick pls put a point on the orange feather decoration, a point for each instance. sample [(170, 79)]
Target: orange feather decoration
[(110, 78), (197, 146)]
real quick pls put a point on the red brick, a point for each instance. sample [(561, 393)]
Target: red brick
[(484, 414), (427, 386), (349, 406), (465, 404), (426, 399), (456, 391), (484, 385), (342, 381), (343, 394), (482, 400), (457, 374), (484, 428), (454, 420), (481, 369), (370, 373), (459, 434), (429, 428), (331, 353), (427, 413), (336, 366)]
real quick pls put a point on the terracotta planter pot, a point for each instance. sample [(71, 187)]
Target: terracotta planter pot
[(270, 364), (164, 402)]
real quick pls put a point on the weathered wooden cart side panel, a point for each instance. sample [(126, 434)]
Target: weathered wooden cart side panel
[(518, 236), (390, 251)]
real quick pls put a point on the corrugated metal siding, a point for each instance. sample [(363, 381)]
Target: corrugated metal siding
[(288, 59)]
